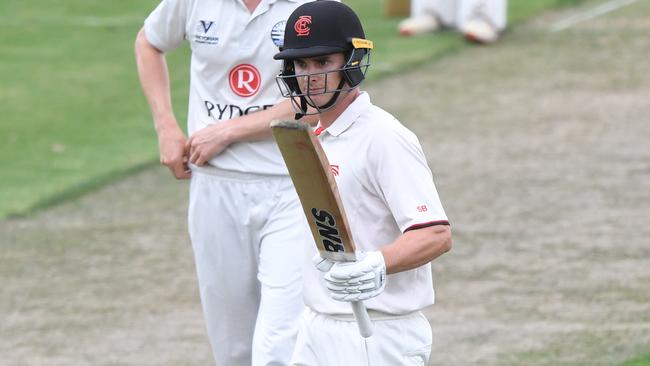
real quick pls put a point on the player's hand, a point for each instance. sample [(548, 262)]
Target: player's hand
[(321, 263), (171, 145), (357, 281), (207, 143)]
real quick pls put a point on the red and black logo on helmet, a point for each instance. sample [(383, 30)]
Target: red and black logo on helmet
[(319, 28), (301, 26)]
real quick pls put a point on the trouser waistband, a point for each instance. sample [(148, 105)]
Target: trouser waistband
[(374, 315), (232, 174)]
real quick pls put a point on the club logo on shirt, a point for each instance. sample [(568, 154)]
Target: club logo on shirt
[(245, 80), (302, 25), (277, 33), (335, 170), (205, 31)]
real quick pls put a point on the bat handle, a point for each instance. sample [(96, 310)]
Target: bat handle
[(363, 320)]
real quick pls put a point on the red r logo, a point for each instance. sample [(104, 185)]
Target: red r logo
[(245, 80), (302, 25)]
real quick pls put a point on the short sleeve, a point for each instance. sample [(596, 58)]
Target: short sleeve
[(165, 27), (405, 180)]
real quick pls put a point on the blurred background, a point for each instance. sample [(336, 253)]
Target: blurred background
[(538, 145)]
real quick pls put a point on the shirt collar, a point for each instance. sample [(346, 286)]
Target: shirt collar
[(349, 115), (264, 5), (275, 1)]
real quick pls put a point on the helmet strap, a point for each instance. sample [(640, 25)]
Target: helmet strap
[(305, 101), (331, 102), (303, 108)]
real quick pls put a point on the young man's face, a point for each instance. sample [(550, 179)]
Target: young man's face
[(322, 80)]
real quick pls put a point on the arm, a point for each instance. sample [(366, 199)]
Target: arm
[(416, 247), (365, 279), (154, 79), (203, 145)]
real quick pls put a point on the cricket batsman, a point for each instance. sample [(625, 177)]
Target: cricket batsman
[(387, 190)]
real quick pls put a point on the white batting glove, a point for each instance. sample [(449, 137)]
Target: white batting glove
[(321, 263), (357, 281)]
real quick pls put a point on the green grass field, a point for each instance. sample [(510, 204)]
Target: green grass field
[(73, 116), (641, 361), (72, 110)]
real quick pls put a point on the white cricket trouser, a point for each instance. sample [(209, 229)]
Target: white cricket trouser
[(248, 234), (455, 13), (325, 340)]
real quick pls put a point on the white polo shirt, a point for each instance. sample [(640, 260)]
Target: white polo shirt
[(232, 68), (386, 188)]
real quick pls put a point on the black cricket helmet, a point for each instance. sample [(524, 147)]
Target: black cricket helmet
[(316, 29)]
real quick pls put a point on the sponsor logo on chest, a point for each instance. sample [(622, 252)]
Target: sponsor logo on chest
[(229, 111), (206, 32), (245, 80)]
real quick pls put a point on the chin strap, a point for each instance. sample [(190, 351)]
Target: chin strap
[(322, 108), (303, 108), (333, 98)]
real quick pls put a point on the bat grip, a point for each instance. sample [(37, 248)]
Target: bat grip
[(363, 320)]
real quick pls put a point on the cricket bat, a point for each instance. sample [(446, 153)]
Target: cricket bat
[(310, 172)]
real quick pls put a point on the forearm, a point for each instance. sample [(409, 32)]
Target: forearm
[(154, 79), (255, 126), (210, 141), (366, 278), (417, 247)]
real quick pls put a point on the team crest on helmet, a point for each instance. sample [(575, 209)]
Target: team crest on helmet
[(277, 33), (302, 25)]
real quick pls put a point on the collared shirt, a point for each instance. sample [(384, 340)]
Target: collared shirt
[(386, 188), (232, 70)]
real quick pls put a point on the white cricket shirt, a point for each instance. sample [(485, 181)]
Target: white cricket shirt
[(232, 67), (386, 188)]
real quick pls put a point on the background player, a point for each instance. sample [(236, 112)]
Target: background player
[(387, 190), (478, 20), (244, 216)]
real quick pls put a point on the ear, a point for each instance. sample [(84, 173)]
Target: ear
[(288, 69), (353, 74)]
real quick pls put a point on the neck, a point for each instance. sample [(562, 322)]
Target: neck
[(251, 4), (329, 116)]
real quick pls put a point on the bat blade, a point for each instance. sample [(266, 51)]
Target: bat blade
[(319, 196), (316, 188)]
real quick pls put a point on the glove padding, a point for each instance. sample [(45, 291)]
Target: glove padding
[(357, 281)]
